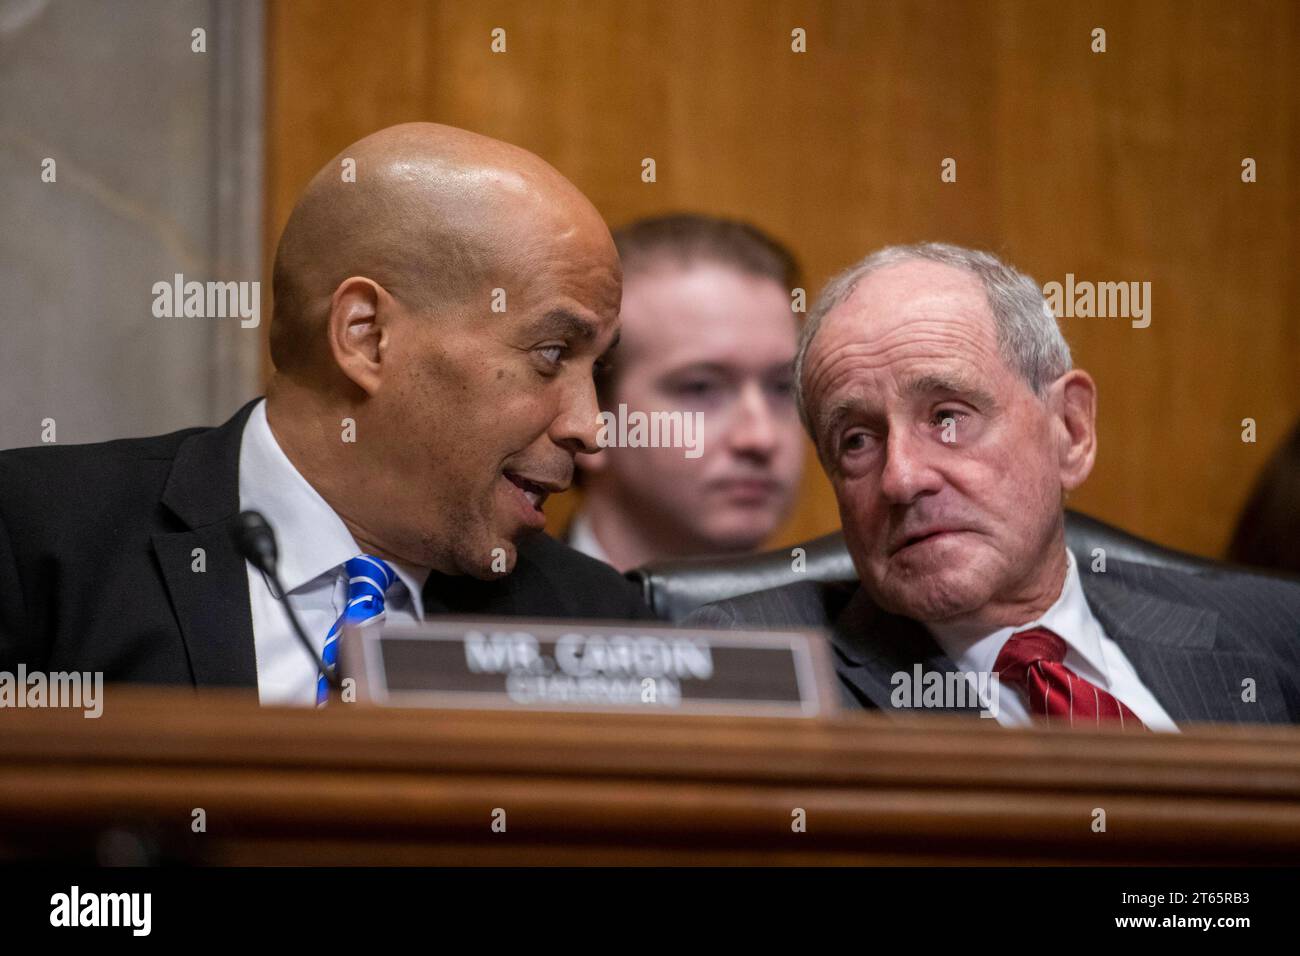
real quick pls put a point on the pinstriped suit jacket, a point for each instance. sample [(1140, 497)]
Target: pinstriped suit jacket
[(1195, 640)]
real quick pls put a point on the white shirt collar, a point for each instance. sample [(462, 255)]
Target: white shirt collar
[(312, 538), (1070, 617), (582, 537)]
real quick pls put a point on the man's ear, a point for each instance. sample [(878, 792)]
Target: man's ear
[(1075, 409), (358, 330)]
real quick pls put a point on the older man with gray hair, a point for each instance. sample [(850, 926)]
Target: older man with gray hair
[(943, 403)]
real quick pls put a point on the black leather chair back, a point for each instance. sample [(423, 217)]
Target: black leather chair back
[(675, 588)]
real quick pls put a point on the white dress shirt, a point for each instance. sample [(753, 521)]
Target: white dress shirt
[(1089, 653), (582, 537), (313, 543)]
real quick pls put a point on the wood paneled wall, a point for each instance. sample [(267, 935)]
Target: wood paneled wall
[(1116, 166)]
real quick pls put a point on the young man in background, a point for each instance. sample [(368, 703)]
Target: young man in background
[(708, 328)]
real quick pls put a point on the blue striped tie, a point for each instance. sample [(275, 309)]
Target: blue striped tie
[(369, 579)]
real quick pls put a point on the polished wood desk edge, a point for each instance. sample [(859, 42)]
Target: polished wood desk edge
[(174, 728), (420, 786)]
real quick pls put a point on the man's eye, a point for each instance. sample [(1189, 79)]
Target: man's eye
[(853, 441), (551, 353), (698, 388), (942, 416)]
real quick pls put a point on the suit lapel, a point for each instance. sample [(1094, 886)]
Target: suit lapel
[(872, 646), (212, 605), (1172, 647)]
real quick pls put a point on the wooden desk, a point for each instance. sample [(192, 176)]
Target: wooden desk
[(358, 785)]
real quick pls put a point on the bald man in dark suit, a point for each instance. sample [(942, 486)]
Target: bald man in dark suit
[(413, 430)]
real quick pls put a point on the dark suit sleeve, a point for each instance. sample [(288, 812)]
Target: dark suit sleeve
[(15, 634), (637, 608), (550, 580), (799, 605), (582, 587), (607, 594)]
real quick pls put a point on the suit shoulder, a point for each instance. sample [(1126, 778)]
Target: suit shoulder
[(46, 460), (801, 604), (1251, 607), (552, 553), (588, 587), (85, 482), (1213, 586)]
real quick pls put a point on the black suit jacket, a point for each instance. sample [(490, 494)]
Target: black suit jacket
[(98, 549), (1192, 638)]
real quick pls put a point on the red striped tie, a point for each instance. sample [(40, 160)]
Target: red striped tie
[(1031, 661)]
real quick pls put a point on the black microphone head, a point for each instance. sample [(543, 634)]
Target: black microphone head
[(255, 540)]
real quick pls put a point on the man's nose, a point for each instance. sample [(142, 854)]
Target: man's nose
[(907, 473), (577, 424), (753, 428)]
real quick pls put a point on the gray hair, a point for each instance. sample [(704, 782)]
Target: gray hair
[(1030, 340)]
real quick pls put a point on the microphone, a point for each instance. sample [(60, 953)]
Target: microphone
[(255, 540)]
